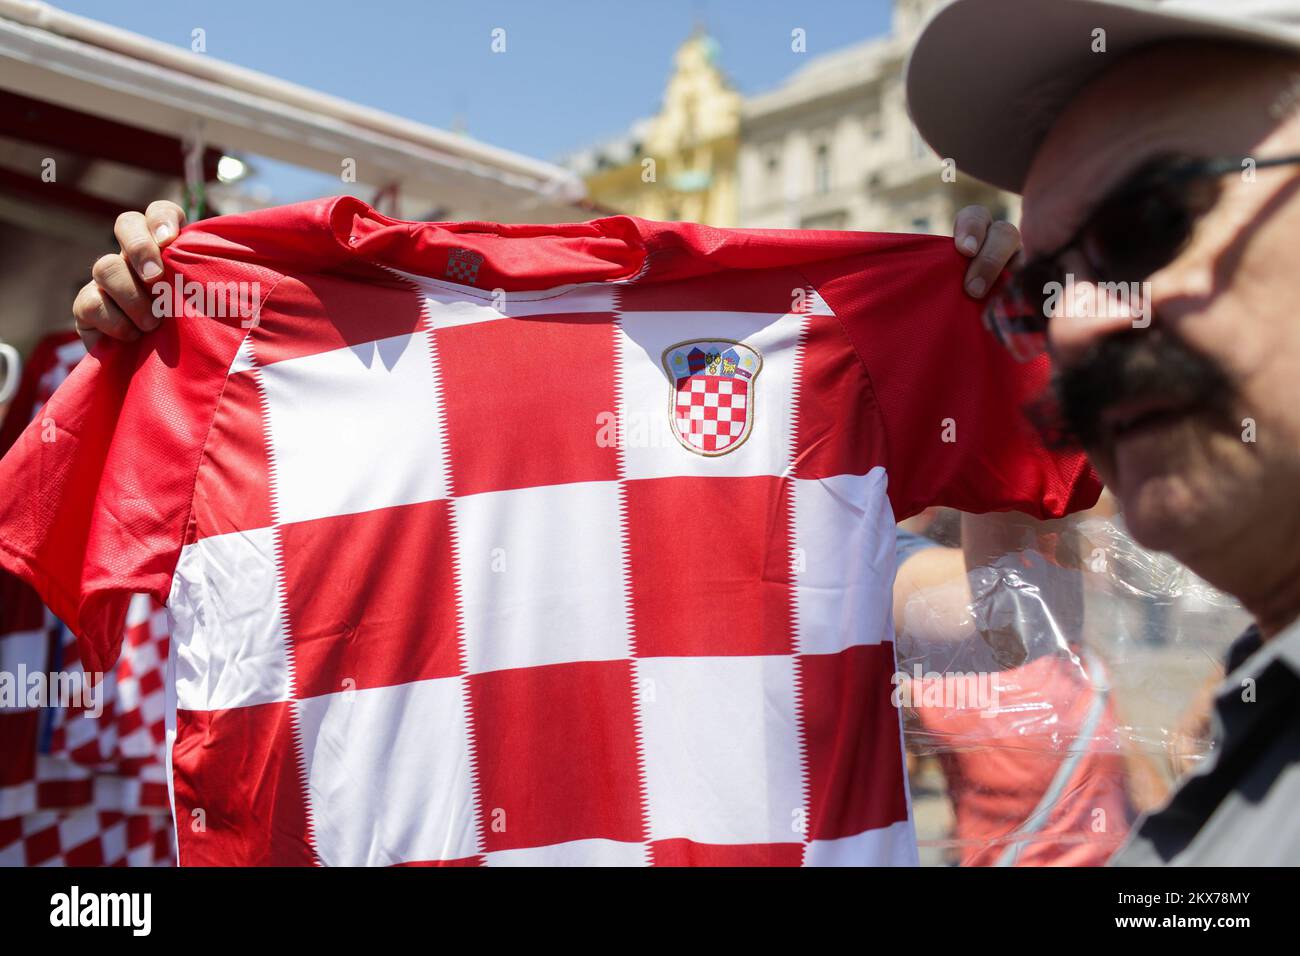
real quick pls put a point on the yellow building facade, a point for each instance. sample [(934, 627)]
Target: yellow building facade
[(681, 163)]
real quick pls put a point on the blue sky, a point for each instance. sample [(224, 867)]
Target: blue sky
[(575, 71)]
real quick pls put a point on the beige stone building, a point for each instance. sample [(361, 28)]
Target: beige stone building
[(681, 163), (830, 148), (834, 148)]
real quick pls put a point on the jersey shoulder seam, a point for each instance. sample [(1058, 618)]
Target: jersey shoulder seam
[(207, 433), (862, 363)]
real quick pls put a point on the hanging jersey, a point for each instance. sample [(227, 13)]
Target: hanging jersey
[(494, 544), (82, 779)]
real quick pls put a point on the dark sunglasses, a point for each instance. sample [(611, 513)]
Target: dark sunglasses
[(1137, 229)]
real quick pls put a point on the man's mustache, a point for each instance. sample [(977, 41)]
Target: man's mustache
[(1130, 366)]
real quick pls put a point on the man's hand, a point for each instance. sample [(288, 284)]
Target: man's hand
[(991, 245), (116, 301)]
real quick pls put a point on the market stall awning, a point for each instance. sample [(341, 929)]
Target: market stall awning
[(103, 71)]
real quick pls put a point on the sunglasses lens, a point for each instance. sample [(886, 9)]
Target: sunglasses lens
[(1018, 316), (1138, 234), (1138, 231)]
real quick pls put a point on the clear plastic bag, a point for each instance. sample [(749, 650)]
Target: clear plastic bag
[(1053, 695)]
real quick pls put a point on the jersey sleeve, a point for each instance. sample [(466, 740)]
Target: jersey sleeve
[(951, 399), (96, 491)]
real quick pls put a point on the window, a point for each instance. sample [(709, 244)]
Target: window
[(772, 169), (826, 220), (822, 169), (919, 149)]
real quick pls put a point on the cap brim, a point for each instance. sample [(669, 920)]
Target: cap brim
[(987, 78)]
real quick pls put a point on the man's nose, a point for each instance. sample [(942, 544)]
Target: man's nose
[(1086, 313)]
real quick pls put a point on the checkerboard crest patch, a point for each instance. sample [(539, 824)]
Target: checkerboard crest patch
[(462, 265), (711, 393)]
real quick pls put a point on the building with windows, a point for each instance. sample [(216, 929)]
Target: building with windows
[(834, 148), (681, 163), (830, 148)]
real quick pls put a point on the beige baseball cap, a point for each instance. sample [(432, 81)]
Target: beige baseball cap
[(987, 78)]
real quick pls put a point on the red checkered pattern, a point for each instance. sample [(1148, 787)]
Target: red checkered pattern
[(87, 837), (432, 608), (78, 789), (477, 562), (130, 731), (712, 411), (62, 758)]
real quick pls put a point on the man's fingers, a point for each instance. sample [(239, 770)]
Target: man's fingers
[(164, 220), (117, 281), (1000, 245), (118, 301), (138, 245), (89, 337), (95, 313), (970, 228)]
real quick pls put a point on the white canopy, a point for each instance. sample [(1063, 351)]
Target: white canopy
[(89, 66)]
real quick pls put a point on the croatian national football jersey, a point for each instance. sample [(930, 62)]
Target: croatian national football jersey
[(81, 783), (505, 544)]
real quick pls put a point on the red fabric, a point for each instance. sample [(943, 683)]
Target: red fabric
[(575, 377), (116, 484), (541, 765), (87, 837), (45, 369), (646, 675), (689, 853), (675, 590), (78, 789), (408, 639), (856, 775), (1000, 763), (112, 462), (241, 803), (936, 374)]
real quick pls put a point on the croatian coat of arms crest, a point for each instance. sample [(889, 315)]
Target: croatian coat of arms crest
[(711, 393), (462, 265)]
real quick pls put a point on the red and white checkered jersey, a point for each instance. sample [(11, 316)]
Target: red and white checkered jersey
[(127, 735), (78, 787), (68, 756), (87, 837), (83, 788), (513, 544)]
